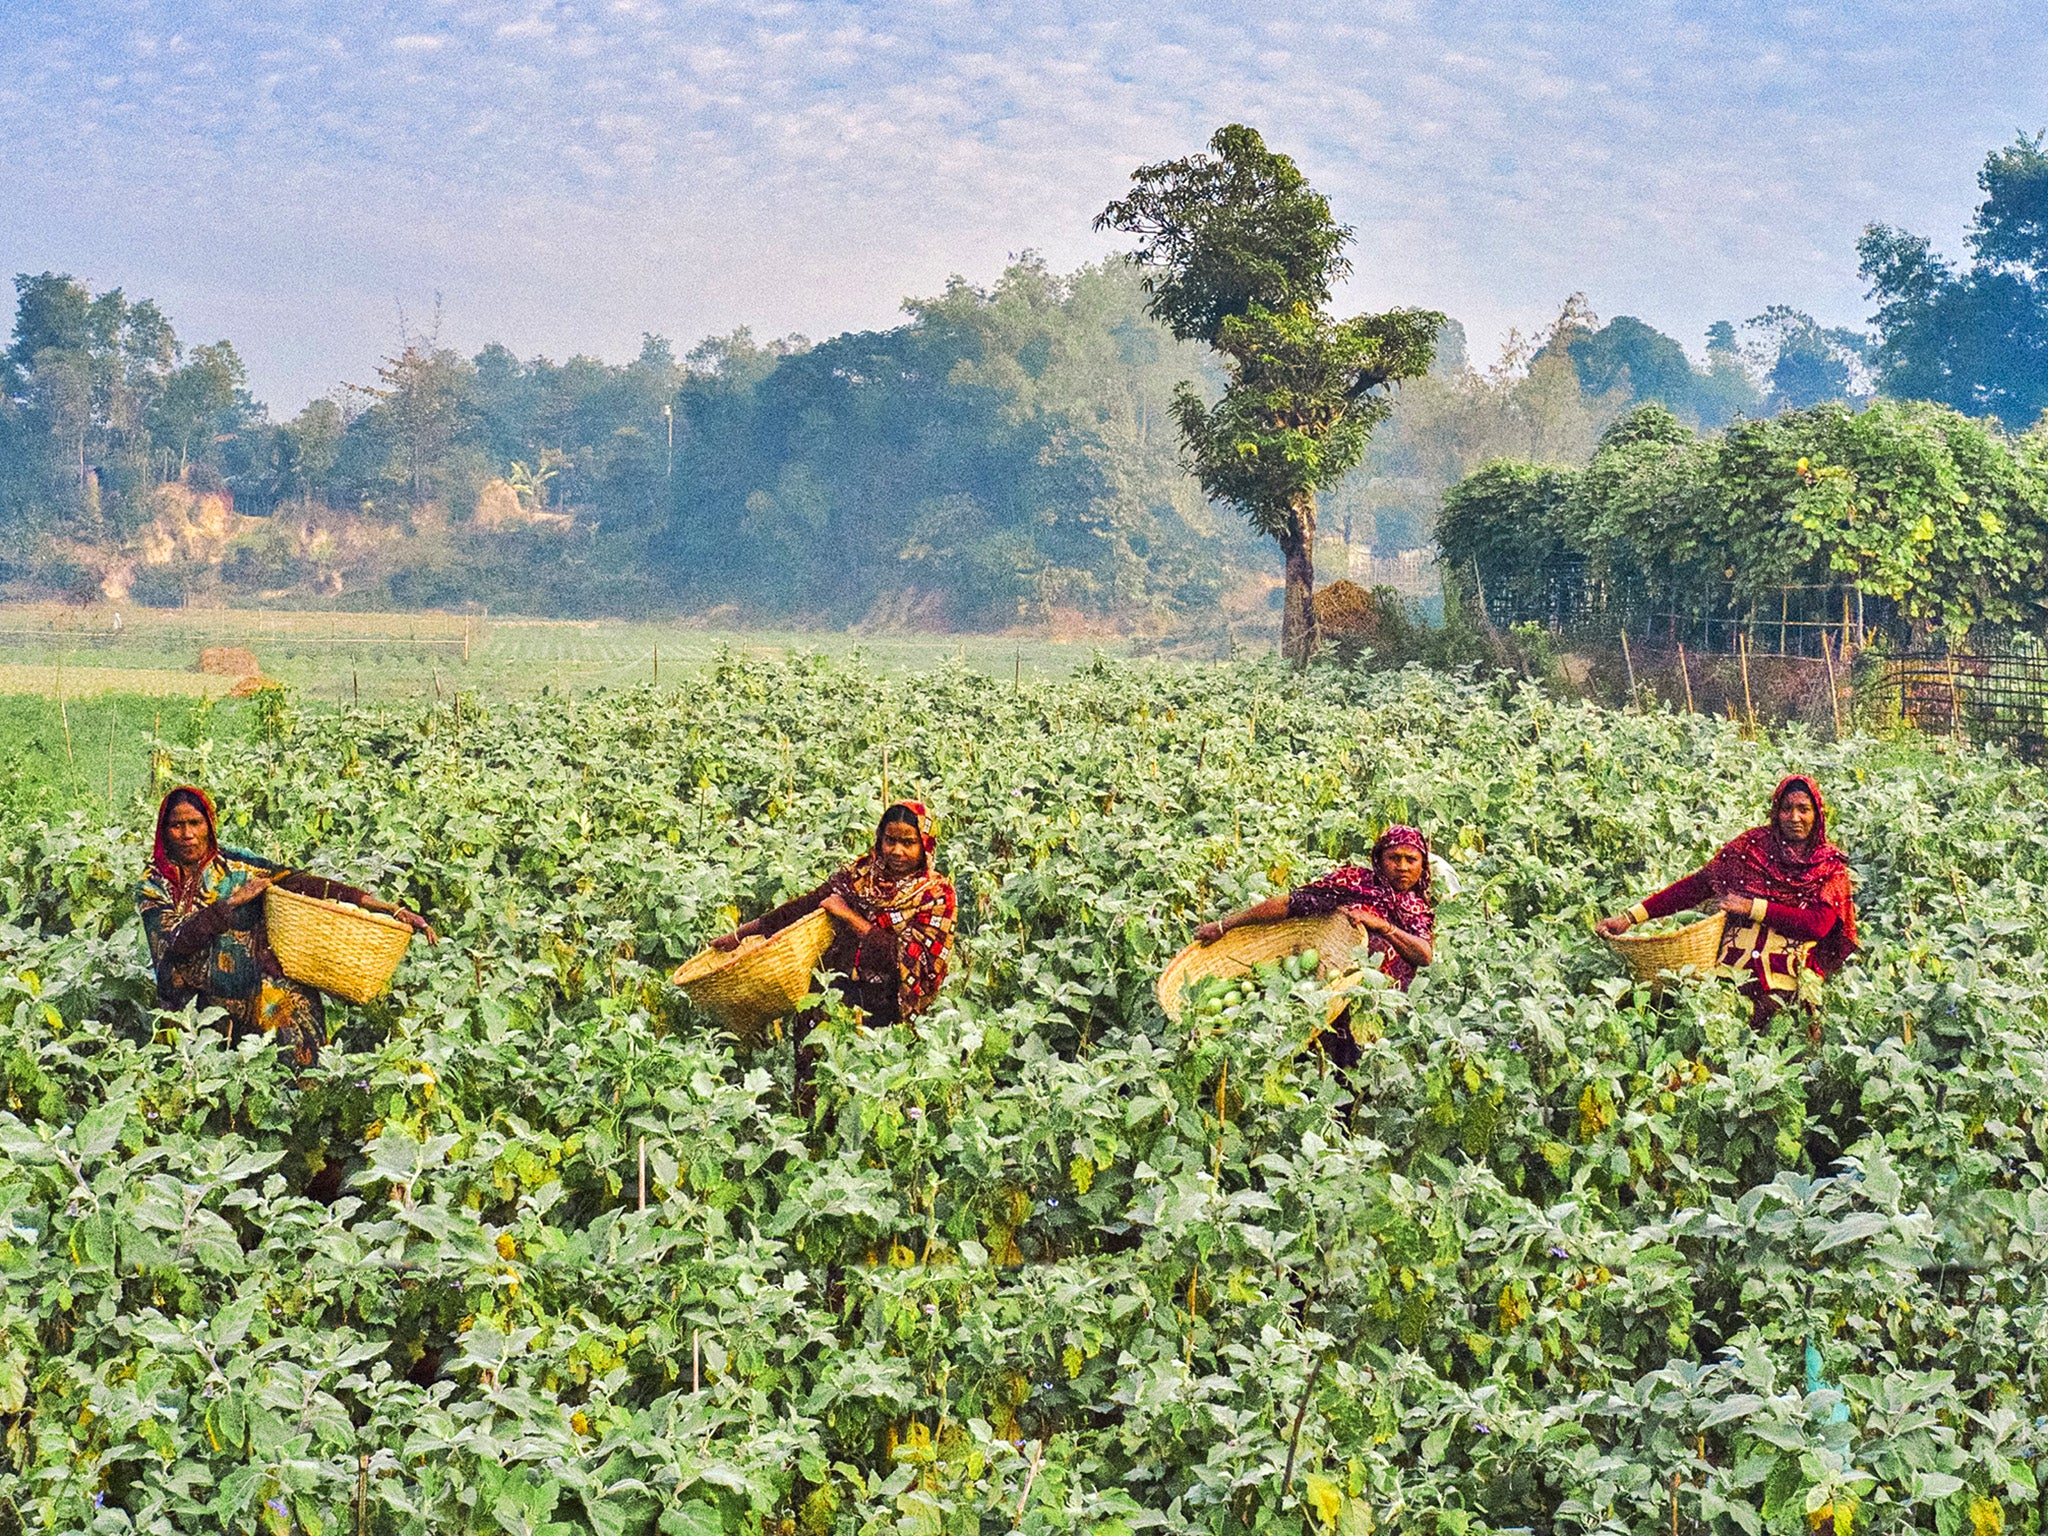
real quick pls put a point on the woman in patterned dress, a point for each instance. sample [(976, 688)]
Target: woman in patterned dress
[(893, 916), (202, 914), (1390, 900)]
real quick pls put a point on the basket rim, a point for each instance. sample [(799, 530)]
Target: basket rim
[(1630, 940), (724, 960), (342, 909)]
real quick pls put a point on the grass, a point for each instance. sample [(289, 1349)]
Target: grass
[(95, 754), (337, 658)]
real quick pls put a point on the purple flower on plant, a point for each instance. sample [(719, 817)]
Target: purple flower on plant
[(1559, 1253)]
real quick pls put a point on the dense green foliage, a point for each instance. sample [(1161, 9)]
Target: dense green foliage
[(1943, 516), (1007, 452), (1047, 1262), (1975, 338), (1004, 453)]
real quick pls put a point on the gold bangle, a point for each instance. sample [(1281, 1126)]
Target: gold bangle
[(1759, 909), (1638, 914)]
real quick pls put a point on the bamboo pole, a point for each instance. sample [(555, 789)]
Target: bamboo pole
[(1037, 1456), (113, 723), (64, 714), (1635, 696), (1748, 700), (1827, 652), (1685, 674)]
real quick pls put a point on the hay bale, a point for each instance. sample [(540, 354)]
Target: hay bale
[(1346, 610), (228, 661)]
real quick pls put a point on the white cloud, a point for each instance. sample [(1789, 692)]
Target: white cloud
[(570, 175)]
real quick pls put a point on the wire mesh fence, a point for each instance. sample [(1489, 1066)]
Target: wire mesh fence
[(1565, 597), (1980, 696)]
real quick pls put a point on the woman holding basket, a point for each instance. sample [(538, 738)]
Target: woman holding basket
[(892, 930), (892, 920), (202, 914), (1390, 901), (1786, 895)]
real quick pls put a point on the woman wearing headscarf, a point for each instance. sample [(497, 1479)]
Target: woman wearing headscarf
[(893, 920), (1390, 899), (203, 917), (1786, 892)]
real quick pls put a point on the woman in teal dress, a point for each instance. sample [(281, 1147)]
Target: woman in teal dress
[(202, 913)]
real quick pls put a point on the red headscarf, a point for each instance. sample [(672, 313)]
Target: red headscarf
[(1813, 873), (167, 868)]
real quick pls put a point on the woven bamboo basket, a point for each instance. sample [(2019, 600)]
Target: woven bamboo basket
[(333, 946), (1649, 956), (749, 988), (1336, 936)]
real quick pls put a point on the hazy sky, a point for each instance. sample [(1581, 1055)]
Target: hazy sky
[(567, 176)]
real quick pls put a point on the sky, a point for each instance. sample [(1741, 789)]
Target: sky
[(293, 175)]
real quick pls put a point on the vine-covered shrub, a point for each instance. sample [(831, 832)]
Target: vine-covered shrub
[(1554, 1257), (1943, 515)]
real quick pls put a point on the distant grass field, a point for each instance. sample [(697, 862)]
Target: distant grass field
[(337, 658), (73, 685)]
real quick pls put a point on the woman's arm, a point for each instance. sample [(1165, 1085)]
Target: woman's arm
[(776, 919), (1271, 910), (1695, 890), (1415, 948)]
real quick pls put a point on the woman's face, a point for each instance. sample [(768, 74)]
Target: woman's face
[(1401, 868), (902, 849), (185, 833), (1796, 816)]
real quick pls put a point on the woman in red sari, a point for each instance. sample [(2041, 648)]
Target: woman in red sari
[(1786, 893), (1390, 900)]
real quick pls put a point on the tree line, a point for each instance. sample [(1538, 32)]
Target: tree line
[(1932, 499), (1050, 443)]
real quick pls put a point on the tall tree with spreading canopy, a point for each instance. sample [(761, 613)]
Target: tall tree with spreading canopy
[(1973, 337), (1243, 254)]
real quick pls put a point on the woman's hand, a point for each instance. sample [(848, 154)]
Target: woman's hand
[(726, 943), (1614, 927), (249, 892), (1735, 906), (416, 923), (1209, 933), (1373, 922), (835, 904)]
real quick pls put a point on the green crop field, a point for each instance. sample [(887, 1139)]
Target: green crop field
[(1560, 1256)]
